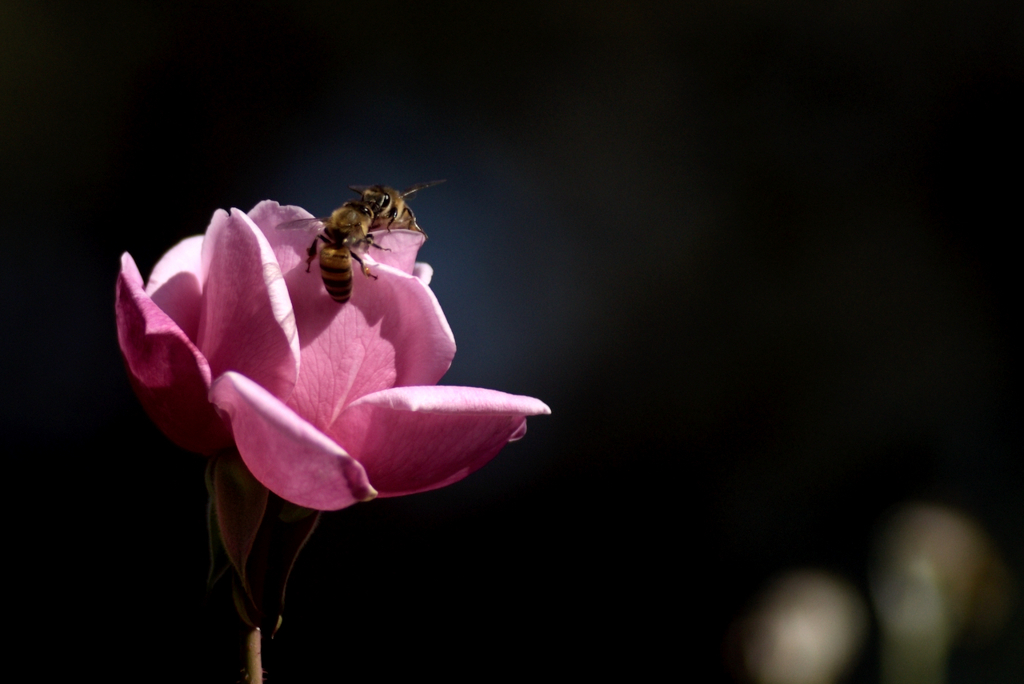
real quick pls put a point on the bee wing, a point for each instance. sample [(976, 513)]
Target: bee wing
[(307, 224), (413, 189), (359, 189)]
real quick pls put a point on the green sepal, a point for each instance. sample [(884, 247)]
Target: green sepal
[(292, 513), (295, 536), (273, 556), (247, 612), (239, 504), (219, 561), (255, 533)]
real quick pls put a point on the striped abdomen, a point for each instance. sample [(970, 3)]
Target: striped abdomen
[(336, 270)]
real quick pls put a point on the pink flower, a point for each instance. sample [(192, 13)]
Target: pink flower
[(232, 344)]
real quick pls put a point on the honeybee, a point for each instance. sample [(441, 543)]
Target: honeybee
[(389, 205), (345, 234)]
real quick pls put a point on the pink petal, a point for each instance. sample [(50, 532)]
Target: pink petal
[(284, 452), (185, 256), (289, 244), (169, 374), (175, 284), (390, 333), (413, 439), (247, 323)]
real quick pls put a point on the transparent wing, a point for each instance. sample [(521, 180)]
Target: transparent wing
[(310, 225), (413, 189)]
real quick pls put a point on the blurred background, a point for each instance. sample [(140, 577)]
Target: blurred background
[(754, 256)]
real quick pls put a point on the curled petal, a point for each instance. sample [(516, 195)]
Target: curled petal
[(288, 243), (175, 284), (169, 374), (186, 256), (413, 439), (247, 323), (284, 452)]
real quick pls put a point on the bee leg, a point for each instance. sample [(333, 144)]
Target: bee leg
[(369, 240), (312, 254), (312, 250), (412, 222), (366, 269)]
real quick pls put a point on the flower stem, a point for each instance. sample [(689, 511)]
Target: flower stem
[(254, 656)]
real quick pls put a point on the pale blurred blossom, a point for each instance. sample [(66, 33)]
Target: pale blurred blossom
[(937, 579), (807, 627)]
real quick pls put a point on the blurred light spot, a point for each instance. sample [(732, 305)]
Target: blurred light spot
[(806, 628)]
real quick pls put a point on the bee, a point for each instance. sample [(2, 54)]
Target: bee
[(389, 205), (345, 234)]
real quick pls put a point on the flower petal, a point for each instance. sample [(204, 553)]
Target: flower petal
[(390, 333), (413, 439), (186, 256), (247, 322), (284, 452), (175, 284), (169, 374), (289, 245)]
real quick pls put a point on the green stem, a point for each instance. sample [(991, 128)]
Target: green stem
[(254, 656)]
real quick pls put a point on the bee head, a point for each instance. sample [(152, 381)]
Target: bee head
[(380, 197)]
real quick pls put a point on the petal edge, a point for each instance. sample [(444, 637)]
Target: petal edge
[(283, 451), (169, 374), (414, 439)]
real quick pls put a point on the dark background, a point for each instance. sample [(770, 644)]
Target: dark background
[(755, 256)]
